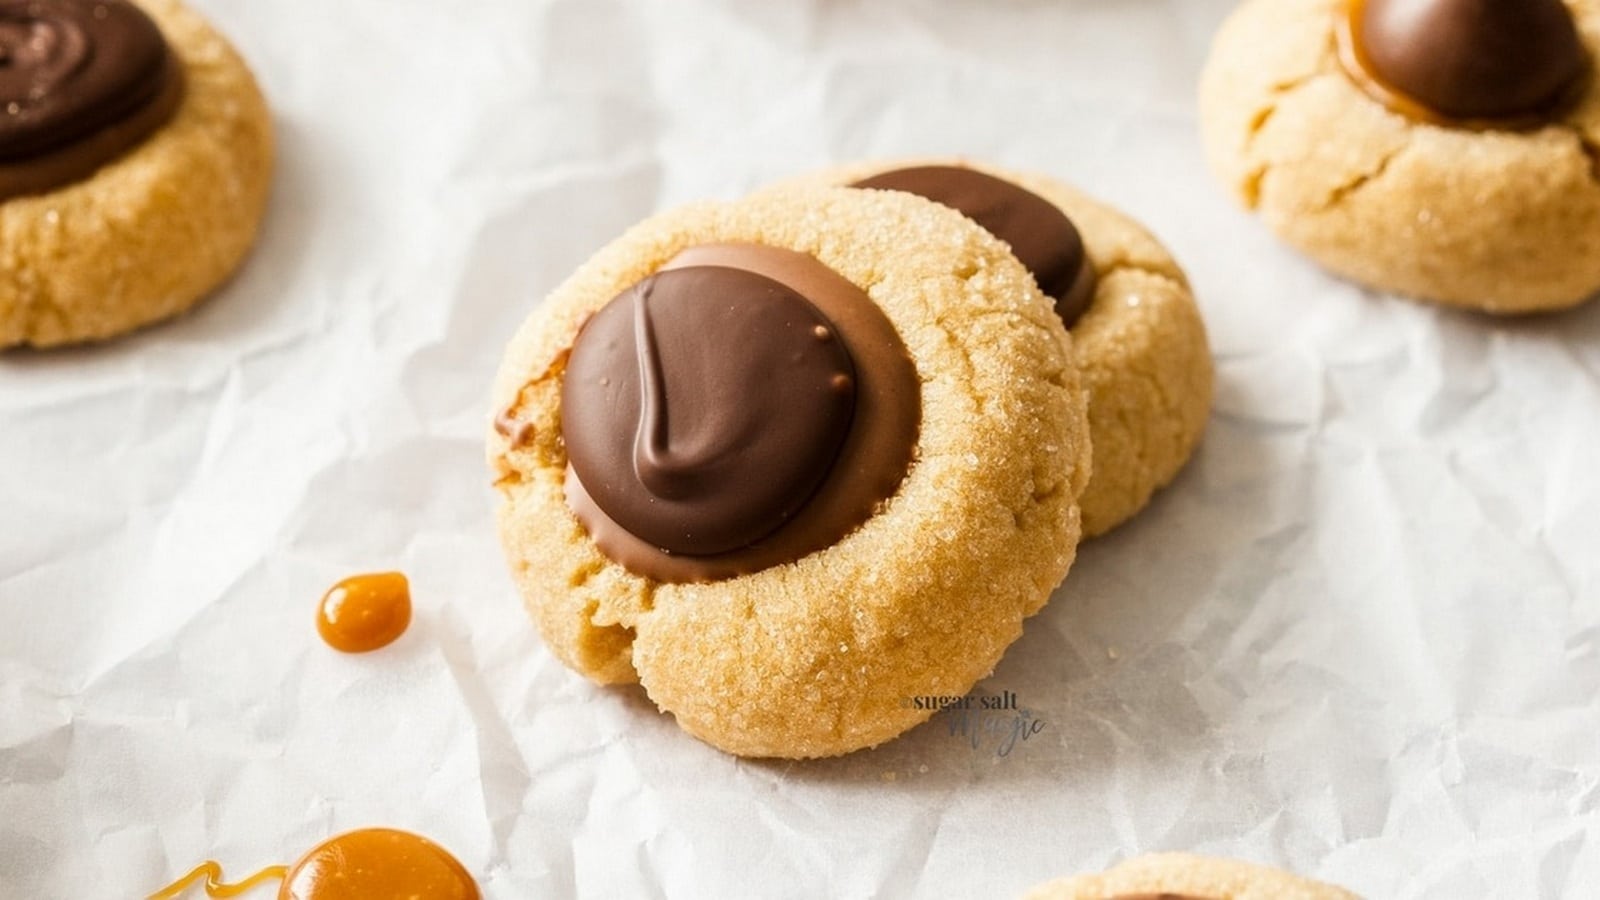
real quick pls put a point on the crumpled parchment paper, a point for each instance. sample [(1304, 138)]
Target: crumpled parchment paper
[(1357, 638)]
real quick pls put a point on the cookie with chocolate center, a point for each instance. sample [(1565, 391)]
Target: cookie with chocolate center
[(791, 461), (1447, 150), (135, 159), (1136, 328)]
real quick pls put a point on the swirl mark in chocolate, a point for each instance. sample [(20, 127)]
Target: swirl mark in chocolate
[(1039, 233), (869, 467), (81, 82), (701, 410)]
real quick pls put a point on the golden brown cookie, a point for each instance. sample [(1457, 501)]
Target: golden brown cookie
[(1179, 876), (1500, 215), (818, 655), (149, 232), (1139, 341)]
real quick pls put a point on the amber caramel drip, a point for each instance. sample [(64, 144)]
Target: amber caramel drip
[(365, 612), (518, 432), (1358, 65), (210, 874), (370, 864), (378, 863)]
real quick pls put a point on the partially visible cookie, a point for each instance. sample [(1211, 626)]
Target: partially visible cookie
[(663, 416), (1178, 876), (1136, 329), (1441, 149), (135, 159)]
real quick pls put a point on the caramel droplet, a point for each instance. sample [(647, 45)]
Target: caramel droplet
[(370, 864), (366, 612), (513, 429), (376, 864)]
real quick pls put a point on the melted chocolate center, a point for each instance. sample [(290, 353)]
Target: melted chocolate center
[(704, 406), (1470, 60), (1040, 234), (742, 408), (81, 82)]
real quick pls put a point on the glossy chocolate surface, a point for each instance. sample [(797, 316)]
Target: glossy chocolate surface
[(868, 462), (1040, 234), (1471, 61), (81, 83), (702, 407)]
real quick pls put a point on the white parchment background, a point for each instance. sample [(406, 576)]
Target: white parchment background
[(1358, 638)]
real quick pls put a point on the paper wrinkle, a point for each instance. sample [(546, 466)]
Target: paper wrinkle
[(1358, 638), (503, 772)]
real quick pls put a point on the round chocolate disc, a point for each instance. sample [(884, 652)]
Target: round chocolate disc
[(1040, 234), (702, 407), (1473, 59), (71, 67)]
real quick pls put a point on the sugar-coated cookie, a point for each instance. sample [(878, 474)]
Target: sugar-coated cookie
[(1179, 876), (1137, 332), (664, 415), (136, 154), (1447, 150)]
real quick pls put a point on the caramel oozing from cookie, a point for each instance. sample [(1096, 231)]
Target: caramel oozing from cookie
[(81, 83), (1467, 63), (1040, 234)]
